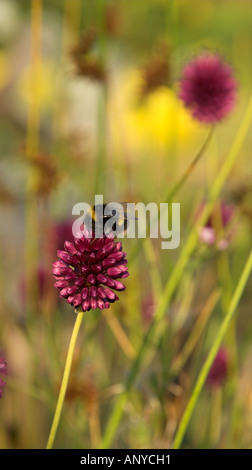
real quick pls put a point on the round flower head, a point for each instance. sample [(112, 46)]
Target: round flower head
[(3, 370), (218, 372), (88, 271), (208, 88)]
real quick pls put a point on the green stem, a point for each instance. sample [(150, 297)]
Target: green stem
[(189, 170), (122, 399), (175, 189), (100, 176), (101, 146), (212, 353), (175, 277), (65, 378)]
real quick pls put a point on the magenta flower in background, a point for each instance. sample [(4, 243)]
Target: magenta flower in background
[(89, 270), (40, 275), (3, 371), (208, 88), (218, 372), (148, 305), (215, 231), (62, 231)]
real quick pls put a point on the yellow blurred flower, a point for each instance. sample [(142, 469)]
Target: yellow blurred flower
[(152, 123)]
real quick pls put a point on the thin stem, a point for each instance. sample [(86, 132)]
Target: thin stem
[(70, 34), (172, 193), (32, 146), (185, 176), (100, 176), (153, 268), (65, 378), (196, 333), (212, 353), (35, 72), (119, 334)]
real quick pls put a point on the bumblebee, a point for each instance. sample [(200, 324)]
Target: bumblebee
[(100, 214)]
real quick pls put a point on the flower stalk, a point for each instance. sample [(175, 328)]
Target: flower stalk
[(65, 379), (212, 353)]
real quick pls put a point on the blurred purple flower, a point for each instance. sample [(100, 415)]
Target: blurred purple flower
[(3, 370), (62, 231), (148, 307), (218, 372), (88, 272), (58, 233), (40, 276), (208, 88), (214, 231)]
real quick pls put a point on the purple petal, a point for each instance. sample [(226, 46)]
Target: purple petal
[(124, 275), (80, 282), (85, 305), (105, 250), (106, 263), (101, 293), (61, 271), (77, 300), (109, 293), (114, 272), (93, 291), (79, 245), (71, 276), (93, 303), (98, 244), (61, 284), (118, 285), (64, 292), (118, 246), (91, 279), (96, 268), (70, 248), (92, 257), (70, 299), (59, 264), (85, 269), (69, 259), (110, 282), (117, 256), (101, 278), (100, 304), (72, 290), (88, 245), (85, 293)]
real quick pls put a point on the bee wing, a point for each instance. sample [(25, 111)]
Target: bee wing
[(129, 210), (123, 210)]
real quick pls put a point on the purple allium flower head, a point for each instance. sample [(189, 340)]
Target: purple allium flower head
[(208, 88), (89, 270), (3, 370), (211, 233), (218, 372)]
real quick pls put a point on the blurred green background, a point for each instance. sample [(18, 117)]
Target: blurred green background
[(66, 136)]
